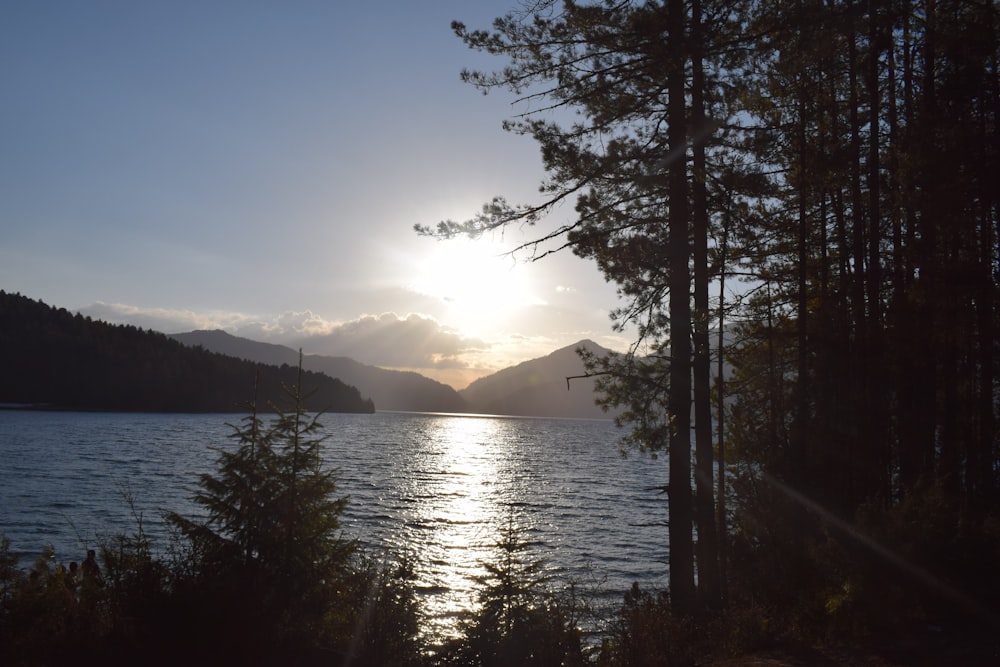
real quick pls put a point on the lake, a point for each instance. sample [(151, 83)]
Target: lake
[(440, 488)]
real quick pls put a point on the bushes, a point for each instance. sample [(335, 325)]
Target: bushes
[(644, 632), (520, 620), (384, 622), (52, 613), (262, 577), (926, 560)]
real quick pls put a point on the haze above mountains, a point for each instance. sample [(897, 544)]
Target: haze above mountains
[(535, 388)]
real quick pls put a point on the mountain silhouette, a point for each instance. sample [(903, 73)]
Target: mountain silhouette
[(535, 388), (538, 388), (52, 358), (389, 389)]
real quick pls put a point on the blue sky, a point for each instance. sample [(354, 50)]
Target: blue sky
[(258, 167)]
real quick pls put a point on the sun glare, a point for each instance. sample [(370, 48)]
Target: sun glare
[(463, 506), (481, 288)]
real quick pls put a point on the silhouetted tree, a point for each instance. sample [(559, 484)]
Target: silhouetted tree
[(630, 73), (847, 153), (54, 359), (269, 547), (520, 621)]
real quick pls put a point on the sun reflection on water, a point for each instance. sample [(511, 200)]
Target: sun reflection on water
[(462, 502), (436, 489)]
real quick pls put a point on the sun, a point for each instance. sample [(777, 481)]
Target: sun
[(481, 288)]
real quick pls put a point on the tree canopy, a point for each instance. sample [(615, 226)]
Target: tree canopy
[(53, 358), (837, 162)]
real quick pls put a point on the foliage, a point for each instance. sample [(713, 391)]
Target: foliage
[(645, 633), (925, 561), (55, 614), (53, 358), (10, 575), (384, 614), (520, 621), (840, 159), (131, 595), (268, 548)]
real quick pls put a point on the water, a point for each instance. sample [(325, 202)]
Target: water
[(438, 487)]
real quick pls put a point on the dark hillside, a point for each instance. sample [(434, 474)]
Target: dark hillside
[(220, 342), (538, 388), (50, 357), (390, 389)]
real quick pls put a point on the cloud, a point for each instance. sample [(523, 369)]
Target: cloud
[(287, 327), (164, 320), (388, 340), (412, 342)]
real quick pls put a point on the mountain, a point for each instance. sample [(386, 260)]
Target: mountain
[(538, 388), (535, 388), (241, 348), (389, 389), (50, 357)]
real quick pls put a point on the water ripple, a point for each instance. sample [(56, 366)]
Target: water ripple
[(441, 488)]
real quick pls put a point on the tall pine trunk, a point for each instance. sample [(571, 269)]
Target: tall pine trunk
[(709, 586), (682, 588), (876, 436)]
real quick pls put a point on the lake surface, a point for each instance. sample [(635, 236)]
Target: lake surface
[(440, 488)]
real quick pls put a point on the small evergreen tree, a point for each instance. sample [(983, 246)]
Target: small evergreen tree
[(385, 616), (10, 575), (267, 549), (519, 621)]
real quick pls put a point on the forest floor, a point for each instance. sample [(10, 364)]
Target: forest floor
[(932, 649)]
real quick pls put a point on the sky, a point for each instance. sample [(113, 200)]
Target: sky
[(258, 167)]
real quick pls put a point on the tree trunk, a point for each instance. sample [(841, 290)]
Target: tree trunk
[(709, 588), (682, 589), (860, 458), (720, 383), (876, 436)]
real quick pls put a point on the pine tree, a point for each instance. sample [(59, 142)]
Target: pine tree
[(629, 162), (519, 620), (268, 548), (846, 155)]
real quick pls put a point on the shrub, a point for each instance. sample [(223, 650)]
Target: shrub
[(520, 621)]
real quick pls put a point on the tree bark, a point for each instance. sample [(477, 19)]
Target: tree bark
[(682, 588), (709, 587)]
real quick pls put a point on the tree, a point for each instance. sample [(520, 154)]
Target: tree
[(843, 156), (861, 378), (520, 621), (876, 249), (268, 547), (637, 77)]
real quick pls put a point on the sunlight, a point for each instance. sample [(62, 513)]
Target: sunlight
[(480, 287), (469, 468), (464, 510)]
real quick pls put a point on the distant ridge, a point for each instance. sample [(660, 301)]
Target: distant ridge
[(52, 358), (216, 340), (389, 389), (537, 388)]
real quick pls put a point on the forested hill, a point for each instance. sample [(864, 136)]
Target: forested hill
[(50, 357), (390, 389), (539, 387)]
